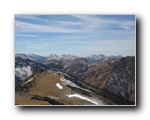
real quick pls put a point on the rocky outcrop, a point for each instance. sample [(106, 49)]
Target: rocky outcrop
[(121, 80), (54, 64), (76, 68), (25, 68), (117, 78)]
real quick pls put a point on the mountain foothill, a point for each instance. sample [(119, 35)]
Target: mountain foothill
[(73, 80)]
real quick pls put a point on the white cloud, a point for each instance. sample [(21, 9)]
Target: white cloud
[(89, 32), (23, 72), (31, 17), (26, 35), (28, 27), (99, 22), (33, 44), (87, 23), (111, 47)]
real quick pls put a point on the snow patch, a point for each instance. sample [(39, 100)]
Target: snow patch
[(59, 86), (23, 72), (68, 82), (28, 81), (85, 98)]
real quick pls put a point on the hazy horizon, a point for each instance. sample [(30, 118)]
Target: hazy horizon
[(79, 35), (72, 54)]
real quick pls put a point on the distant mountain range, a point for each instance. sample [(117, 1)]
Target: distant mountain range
[(112, 77), (66, 57), (34, 57)]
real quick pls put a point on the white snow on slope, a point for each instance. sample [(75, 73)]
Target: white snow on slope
[(59, 86), (68, 82), (28, 81), (85, 98), (23, 72)]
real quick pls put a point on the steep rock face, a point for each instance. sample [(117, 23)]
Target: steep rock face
[(76, 67), (121, 81), (98, 73), (17, 81), (25, 68), (54, 64), (116, 77)]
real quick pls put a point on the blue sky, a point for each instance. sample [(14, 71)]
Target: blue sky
[(80, 35)]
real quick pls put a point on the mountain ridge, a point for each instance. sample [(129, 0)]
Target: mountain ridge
[(115, 76), (66, 57)]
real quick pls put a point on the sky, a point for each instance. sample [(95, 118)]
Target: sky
[(80, 35)]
